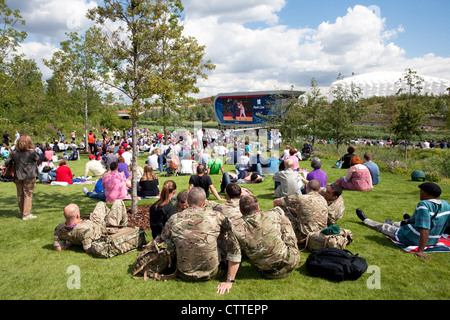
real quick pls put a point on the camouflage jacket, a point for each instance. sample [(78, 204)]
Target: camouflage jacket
[(336, 208), (312, 213), (268, 239), (89, 230), (195, 233), (230, 209), (83, 234)]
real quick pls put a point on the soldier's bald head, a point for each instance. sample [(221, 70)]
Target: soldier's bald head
[(314, 185), (196, 197), (71, 211)]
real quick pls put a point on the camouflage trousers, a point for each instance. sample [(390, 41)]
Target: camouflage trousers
[(301, 237), (285, 267), (116, 216)]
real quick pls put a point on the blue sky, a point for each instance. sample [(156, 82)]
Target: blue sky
[(275, 44), (426, 23)]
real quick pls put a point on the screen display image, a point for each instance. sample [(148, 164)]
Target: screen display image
[(251, 108)]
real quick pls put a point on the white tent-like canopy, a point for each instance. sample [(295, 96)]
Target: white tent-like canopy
[(383, 84)]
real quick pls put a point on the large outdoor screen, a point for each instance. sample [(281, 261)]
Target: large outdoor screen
[(250, 108)]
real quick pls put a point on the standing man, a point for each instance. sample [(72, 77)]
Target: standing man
[(6, 138), (91, 142)]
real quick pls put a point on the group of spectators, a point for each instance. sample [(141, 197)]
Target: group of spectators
[(211, 237)]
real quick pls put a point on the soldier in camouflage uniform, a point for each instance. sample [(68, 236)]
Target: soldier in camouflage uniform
[(195, 232), (307, 213), (336, 207), (230, 209), (182, 201), (75, 231), (267, 238)]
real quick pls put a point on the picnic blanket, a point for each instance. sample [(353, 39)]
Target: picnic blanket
[(142, 198), (443, 245)]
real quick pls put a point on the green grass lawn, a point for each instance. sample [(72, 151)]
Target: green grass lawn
[(32, 270)]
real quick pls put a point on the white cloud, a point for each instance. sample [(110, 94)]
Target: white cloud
[(278, 56), (247, 59), (49, 20), (38, 51), (235, 11)]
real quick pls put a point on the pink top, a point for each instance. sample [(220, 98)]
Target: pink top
[(115, 185), (358, 178), (295, 161), (49, 154)]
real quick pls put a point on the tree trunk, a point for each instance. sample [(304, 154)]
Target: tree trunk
[(134, 201), (86, 145)]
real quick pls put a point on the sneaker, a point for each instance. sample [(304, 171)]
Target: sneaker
[(406, 216), (361, 214), (388, 221), (85, 190), (28, 217)]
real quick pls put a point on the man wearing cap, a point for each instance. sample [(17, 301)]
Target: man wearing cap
[(94, 166), (426, 225)]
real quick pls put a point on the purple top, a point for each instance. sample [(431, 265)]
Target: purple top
[(123, 167), (318, 175)]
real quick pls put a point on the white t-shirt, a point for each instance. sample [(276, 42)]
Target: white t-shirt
[(186, 166), (153, 161)]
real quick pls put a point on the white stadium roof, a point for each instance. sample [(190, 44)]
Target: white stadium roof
[(384, 84)]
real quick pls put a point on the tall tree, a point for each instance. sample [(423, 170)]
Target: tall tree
[(10, 39), (145, 53), (78, 68), (343, 112), (313, 107), (409, 118)]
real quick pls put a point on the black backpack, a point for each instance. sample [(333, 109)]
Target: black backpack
[(335, 264)]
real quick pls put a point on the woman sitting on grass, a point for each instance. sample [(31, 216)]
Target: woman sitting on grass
[(358, 176), (148, 185), (63, 172), (123, 167), (163, 209)]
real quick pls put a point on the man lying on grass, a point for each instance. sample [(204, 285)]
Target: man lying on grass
[(82, 232), (426, 225)]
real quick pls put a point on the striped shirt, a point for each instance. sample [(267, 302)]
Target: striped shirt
[(423, 219)]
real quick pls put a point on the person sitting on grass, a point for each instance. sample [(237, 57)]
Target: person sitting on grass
[(267, 239), (94, 166), (79, 232), (214, 164), (426, 225), (181, 202), (162, 209), (373, 168), (63, 172), (203, 181), (148, 185), (358, 177)]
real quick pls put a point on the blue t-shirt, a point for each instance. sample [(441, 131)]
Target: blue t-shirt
[(374, 172), (421, 219), (99, 187)]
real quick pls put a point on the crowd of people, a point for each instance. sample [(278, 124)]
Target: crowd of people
[(211, 237)]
